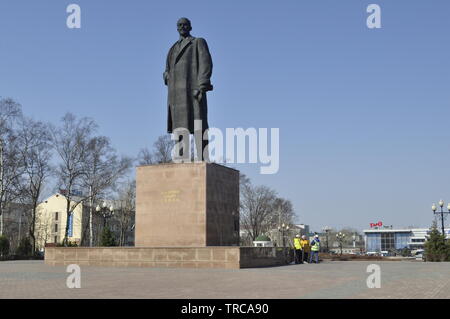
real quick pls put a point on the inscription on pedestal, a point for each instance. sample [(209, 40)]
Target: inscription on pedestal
[(170, 196)]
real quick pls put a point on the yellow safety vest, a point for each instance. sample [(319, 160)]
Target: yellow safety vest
[(305, 245), (316, 246), (297, 244)]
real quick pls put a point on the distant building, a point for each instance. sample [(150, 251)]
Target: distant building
[(383, 239), (51, 221), (263, 241), (302, 229)]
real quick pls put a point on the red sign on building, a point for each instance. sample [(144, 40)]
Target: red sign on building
[(379, 224)]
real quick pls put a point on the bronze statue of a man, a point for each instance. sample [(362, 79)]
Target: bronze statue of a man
[(187, 75)]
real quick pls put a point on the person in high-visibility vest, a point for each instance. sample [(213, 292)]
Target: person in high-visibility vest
[(306, 249), (298, 250), (315, 247)]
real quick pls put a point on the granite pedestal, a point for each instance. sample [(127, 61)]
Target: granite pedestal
[(187, 205), (187, 216)]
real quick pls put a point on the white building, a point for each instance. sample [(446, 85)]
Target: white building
[(396, 239), (263, 241), (51, 222)]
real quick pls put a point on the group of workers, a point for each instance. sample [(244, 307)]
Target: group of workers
[(305, 249)]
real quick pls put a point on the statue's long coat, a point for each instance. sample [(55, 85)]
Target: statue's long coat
[(188, 68)]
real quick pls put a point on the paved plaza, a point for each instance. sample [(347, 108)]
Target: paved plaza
[(330, 279)]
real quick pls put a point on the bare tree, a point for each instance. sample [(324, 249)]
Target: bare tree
[(35, 155), (256, 208), (102, 168), (283, 212), (10, 112), (145, 157), (43, 228), (71, 142), (10, 169), (163, 149), (261, 210), (160, 153), (89, 166), (126, 209)]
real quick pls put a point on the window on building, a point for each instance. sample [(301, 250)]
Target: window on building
[(56, 239), (373, 242), (401, 240), (56, 227), (56, 216), (387, 241)]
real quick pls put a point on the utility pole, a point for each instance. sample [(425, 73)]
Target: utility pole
[(20, 226), (90, 216), (279, 223), (327, 229)]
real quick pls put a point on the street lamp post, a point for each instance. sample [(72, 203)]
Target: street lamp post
[(105, 211), (327, 229), (441, 213), (340, 238), (282, 230)]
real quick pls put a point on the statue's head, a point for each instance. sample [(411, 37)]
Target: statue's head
[(184, 26)]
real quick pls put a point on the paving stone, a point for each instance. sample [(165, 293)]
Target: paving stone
[(399, 279)]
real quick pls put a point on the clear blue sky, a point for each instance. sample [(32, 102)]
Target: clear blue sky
[(363, 114)]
